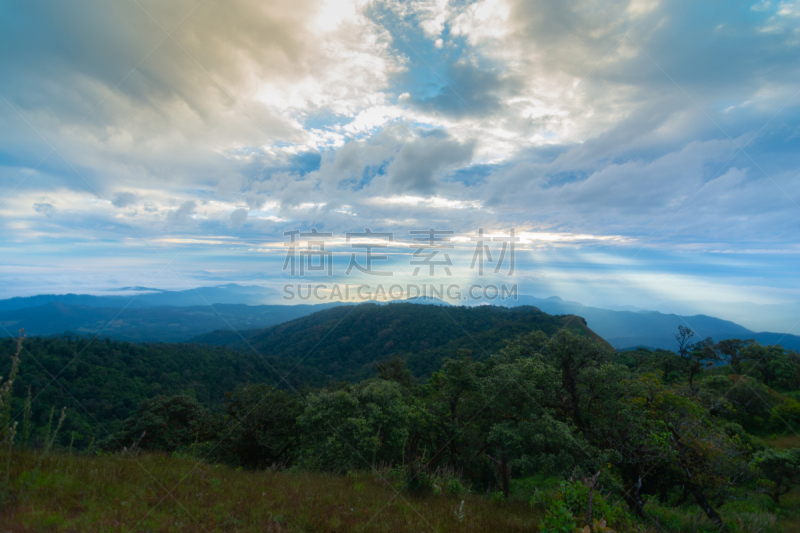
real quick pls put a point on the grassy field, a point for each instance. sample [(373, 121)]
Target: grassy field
[(782, 442), (160, 493), (165, 494)]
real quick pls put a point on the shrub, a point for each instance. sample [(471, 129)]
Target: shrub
[(575, 496), (740, 516), (558, 519), (359, 428), (161, 423), (785, 414), (418, 480), (455, 487), (780, 470), (260, 427)]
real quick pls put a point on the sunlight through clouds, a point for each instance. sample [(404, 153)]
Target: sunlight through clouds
[(614, 126)]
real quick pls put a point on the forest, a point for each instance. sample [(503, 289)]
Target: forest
[(697, 439)]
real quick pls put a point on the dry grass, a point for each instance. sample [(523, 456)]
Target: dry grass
[(158, 493), (782, 442), (146, 494)]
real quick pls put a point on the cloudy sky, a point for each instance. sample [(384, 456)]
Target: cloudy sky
[(645, 152)]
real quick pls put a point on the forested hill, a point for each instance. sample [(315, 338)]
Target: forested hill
[(102, 381), (345, 342)]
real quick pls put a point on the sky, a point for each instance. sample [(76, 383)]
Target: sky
[(645, 153)]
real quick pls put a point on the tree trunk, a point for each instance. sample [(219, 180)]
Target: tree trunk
[(634, 499), (506, 473), (572, 388), (713, 515), (592, 483), (662, 493)]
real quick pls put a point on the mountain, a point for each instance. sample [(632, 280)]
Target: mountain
[(625, 329), (109, 377), (176, 316), (142, 297), (155, 324), (147, 319), (757, 317), (346, 342)]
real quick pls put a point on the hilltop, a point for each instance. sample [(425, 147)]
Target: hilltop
[(345, 342)]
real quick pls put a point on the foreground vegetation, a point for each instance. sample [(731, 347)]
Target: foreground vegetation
[(555, 432), (155, 492), (158, 492)]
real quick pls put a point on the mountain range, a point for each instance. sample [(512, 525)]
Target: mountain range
[(142, 314)]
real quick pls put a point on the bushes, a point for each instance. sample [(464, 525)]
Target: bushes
[(260, 427), (354, 429), (746, 518), (785, 415), (779, 469), (573, 496), (162, 424)]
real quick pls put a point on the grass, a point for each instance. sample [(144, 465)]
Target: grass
[(782, 442), (161, 493), (171, 494)]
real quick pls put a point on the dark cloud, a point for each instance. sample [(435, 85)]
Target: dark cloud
[(415, 166), (470, 91)]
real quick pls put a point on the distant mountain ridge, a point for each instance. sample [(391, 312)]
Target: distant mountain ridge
[(148, 324), (146, 297), (178, 316), (625, 329)]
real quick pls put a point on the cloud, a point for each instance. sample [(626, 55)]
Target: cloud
[(238, 217), (123, 199), (266, 116), (231, 82), (184, 212), (45, 209), (418, 161)]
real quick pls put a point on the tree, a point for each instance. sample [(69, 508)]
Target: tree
[(780, 470), (684, 337), (703, 354), (518, 432), (161, 423), (731, 350), (772, 362), (355, 428), (571, 354), (452, 400), (260, 427), (395, 369), (696, 356)]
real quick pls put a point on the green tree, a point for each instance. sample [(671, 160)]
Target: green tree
[(260, 426), (780, 470), (731, 351), (572, 355), (358, 428), (518, 432), (161, 423)]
